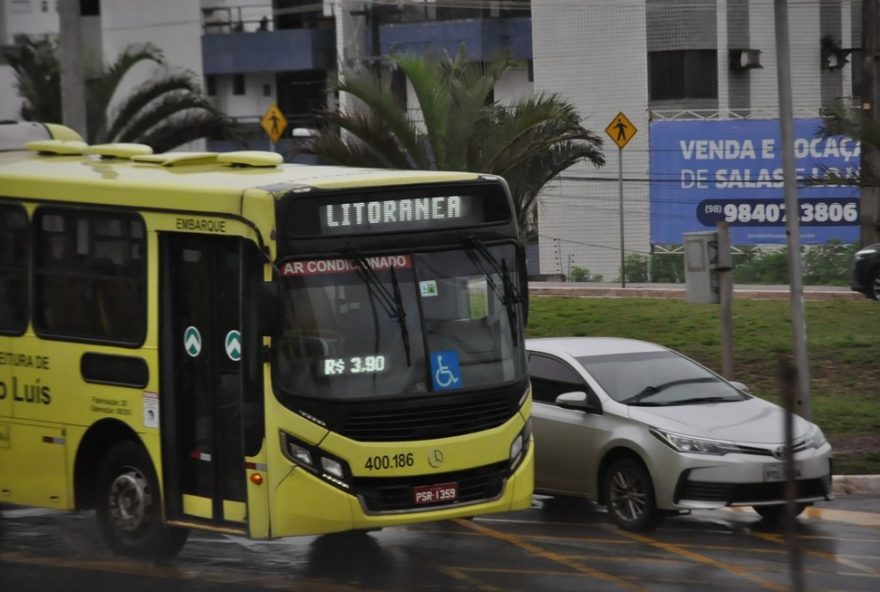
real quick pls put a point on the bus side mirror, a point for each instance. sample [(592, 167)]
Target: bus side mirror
[(270, 304)]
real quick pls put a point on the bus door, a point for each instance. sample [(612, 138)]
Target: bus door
[(204, 378)]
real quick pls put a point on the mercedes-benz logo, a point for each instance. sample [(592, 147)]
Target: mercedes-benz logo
[(435, 458)]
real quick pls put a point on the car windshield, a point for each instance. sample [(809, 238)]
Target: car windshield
[(658, 379), (399, 325)]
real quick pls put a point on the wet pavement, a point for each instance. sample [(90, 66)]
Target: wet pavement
[(557, 546)]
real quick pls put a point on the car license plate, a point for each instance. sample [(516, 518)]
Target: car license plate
[(776, 472), (435, 494)]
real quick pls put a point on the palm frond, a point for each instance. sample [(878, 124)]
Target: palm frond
[(185, 127), (125, 116), (38, 78), (364, 135), (377, 99), (429, 81), (162, 109)]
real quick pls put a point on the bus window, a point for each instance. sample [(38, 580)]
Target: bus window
[(89, 276), (13, 269)]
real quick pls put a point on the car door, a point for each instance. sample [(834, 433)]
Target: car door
[(563, 437)]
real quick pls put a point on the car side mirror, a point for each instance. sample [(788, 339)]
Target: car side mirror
[(741, 386), (580, 401), (270, 304)]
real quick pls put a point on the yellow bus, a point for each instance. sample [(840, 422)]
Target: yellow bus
[(229, 343)]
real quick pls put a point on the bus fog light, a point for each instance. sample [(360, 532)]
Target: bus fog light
[(332, 467)]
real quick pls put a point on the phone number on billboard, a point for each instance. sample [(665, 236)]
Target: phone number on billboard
[(771, 212)]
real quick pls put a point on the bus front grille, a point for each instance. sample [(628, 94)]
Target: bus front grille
[(395, 494), (426, 422)]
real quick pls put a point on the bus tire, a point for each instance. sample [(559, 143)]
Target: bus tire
[(128, 505)]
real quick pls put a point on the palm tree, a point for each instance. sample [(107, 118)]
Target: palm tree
[(528, 143), (856, 125), (164, 112), (38, 78)]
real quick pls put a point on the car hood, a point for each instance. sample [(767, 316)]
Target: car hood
[(753, 420)]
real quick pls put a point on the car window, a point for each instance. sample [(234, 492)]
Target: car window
[(552, 377), (657, 378)]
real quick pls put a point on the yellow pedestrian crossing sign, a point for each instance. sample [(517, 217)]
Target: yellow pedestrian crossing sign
[(274, 122), (621, 130)]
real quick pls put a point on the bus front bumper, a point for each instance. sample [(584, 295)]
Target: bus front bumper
[(317, 507)]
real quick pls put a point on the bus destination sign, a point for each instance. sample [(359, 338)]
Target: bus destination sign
[(396, 214)]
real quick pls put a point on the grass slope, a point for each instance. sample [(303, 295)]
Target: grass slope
[(842, 341)]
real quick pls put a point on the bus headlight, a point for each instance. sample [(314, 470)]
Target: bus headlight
[(334, 467), (520, 445), (330, 468)]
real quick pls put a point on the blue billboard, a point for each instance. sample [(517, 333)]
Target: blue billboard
[(703, 172)]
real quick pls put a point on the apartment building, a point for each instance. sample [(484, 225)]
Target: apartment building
[(686, 73)]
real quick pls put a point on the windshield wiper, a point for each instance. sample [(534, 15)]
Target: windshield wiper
[(651, 390), (646, 392), (509, 296), (401, 315), (715, 399), (391, 302)]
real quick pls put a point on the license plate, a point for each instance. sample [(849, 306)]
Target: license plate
[(776, 472), (435, 494)]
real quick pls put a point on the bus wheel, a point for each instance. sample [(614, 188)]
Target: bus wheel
[(129, 505)]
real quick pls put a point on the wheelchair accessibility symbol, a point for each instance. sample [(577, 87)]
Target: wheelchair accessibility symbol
[(445, 370)]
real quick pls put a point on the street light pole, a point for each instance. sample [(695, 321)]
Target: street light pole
[(792, 208), (73, 86)]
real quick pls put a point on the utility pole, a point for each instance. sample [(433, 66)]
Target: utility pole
[(73, 85), (870, 196), (792, 220), (725, 293)]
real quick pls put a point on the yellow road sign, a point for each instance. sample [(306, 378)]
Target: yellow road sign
[(621, 130), (274, 122)]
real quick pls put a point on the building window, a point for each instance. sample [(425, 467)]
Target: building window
[(211, 85), (90, 276), (13, 269), (90, 7), (238, 84), (683, 74)]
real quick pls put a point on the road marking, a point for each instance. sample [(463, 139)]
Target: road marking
[(855, 517), (457, 573), (548, 555), (698, 558), (174, 572), (780, 539)]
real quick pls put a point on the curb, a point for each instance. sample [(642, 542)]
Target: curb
[(855, 484), (666, 292)]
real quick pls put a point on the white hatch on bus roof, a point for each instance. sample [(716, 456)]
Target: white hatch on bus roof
[(57, 147), (119, 150), (250, 158), (170, 159)]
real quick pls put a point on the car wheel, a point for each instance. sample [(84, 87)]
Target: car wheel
[(128, 505), (629, 495), (874, 285), (777, 512)]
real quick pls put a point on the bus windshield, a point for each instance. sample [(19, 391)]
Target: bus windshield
[(399, 324)]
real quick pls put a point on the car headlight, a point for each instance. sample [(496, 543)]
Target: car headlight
[(682, 443), (815, 438), (865, 252)]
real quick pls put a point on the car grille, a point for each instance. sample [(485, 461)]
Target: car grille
[(421, 423), (733, 493), (775, 452), (395, 494)]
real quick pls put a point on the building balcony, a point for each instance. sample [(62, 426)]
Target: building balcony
[(481, 38), (286, 50)]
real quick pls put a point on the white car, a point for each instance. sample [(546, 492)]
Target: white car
[(648, 432)]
